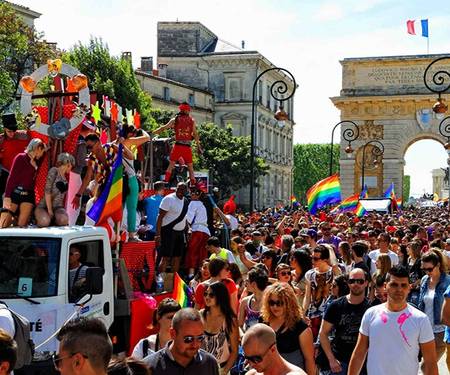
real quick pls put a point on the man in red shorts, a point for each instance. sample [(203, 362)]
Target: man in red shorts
[(185, 131)]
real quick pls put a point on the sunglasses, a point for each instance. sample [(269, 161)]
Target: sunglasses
[(429, 269), (356, 281), (210, 295), (275, 303), (285, 273), (57, 359), (257, 358), (191, 339)]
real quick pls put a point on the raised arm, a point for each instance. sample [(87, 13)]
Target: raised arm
[(169, 125)]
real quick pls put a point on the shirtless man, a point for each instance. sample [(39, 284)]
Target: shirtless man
[(259, 343)]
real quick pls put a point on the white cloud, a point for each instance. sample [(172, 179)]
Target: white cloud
[(330, 11)]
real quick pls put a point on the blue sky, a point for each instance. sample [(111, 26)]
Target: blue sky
[(306, 37)]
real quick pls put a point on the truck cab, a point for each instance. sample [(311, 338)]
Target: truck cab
[(35, 279)]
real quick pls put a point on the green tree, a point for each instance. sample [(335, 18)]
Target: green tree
[(111, 76), (311, 164), (21, 51), (406, 188), (227, 157)]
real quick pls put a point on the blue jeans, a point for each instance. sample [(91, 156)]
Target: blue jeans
[(329, 372)]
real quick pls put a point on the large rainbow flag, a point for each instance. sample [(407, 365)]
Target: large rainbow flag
[(181, 292), (348, 204), (109, 204), (324, 192)]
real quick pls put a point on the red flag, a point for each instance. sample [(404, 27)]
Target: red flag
[(230, 206), (410, 27), (137, 119)]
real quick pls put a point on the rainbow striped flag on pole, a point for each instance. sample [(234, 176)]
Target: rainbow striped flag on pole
[(348, 204), (360, 211), (364, 193), (324, 192), (109, 204), (181, 292)]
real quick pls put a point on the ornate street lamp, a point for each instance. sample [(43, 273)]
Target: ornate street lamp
[(377, 151), (440, 83), (444, 129), (279, 90), (349, 134)]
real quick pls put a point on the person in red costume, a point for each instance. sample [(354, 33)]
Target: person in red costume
[(185, 131), (12, 142)]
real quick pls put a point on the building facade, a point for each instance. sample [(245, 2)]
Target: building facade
[(190, 53), (28, 15)]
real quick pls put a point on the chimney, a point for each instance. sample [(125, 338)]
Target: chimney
[(243, 44), (147, 64), (126, 56), (162, 70)]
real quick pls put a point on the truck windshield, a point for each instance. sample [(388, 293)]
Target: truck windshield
[(29, 266)]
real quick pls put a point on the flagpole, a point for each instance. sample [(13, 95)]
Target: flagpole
[(428, 45)]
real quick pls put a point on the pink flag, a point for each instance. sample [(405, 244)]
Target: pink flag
[(410, 27)]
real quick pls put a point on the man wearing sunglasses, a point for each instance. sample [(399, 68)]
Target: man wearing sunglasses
[(260, 352), (84, 349), (344, 316), (182, 355)]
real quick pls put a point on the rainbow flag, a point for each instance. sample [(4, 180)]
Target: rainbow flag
[(294, 202), (360, 211), (348, 204), (324, 192), (109, 204), (181, 292), (399, 203), (364, 193), (390, 193)]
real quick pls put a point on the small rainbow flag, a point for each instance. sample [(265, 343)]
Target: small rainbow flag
[(360, 211), (294, 202), (390, 193), (399, 203), (326, 191), (348, 204), (181, 292), (109, 204), (364, 193)]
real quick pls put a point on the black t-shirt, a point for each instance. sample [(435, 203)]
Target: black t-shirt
[(287, 341), (346, 319)]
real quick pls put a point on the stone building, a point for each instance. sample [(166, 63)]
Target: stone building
[(387, 98), (440, 182), (190, 53), (168, 94)]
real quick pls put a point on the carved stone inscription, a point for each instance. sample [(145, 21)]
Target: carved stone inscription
[(393, 76)]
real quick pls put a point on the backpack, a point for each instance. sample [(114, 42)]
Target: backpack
[(25, 345)]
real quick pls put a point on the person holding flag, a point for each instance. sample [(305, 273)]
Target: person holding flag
[(185, 131)]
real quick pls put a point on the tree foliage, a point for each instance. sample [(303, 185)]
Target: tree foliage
[(406, 188), (227, 157), (21, 51), (311, 164), (111, 76)]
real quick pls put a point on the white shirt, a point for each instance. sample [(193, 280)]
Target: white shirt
[(138, 351), (394, 339), (428, 300), (234, 223), (173, 207), (373, 255), (197, 217), (7, 321)]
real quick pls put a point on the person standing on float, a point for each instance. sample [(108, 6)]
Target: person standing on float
[(185, 131)]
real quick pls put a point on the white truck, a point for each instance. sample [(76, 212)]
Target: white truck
[(35, 281)]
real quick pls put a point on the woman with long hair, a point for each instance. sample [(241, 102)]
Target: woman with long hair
[(301, 262), (345, 250), (281, 311), (431, 298), (221, 326), (132, 142), (201, 276), (383, 264), (52, 205), (414, 264), (19, 191), (162, 320)]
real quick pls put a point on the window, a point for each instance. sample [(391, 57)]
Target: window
[(191, 100), (268, 96), (166, 93), (234, 87), (29, 267)]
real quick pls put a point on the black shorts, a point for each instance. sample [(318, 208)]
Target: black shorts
[(20, 195), (173, 243)]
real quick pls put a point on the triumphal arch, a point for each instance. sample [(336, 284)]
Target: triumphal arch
[(388, 100)]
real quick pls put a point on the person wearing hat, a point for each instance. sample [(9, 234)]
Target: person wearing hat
[(12, 142), (185, 131), (310, 236)]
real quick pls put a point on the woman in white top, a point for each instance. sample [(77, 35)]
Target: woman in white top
[(162, 320)]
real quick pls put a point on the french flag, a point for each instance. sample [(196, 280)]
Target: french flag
[(412, 29)]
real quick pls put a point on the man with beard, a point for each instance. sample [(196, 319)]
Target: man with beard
[(393, 333), (344, 316)]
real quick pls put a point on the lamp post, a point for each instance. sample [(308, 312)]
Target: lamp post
[(277, 90), (437, 82), (349, 135), (377, 151), (444, 129)]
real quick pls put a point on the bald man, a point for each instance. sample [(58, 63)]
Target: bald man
[(344, 315), (259, 343)]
